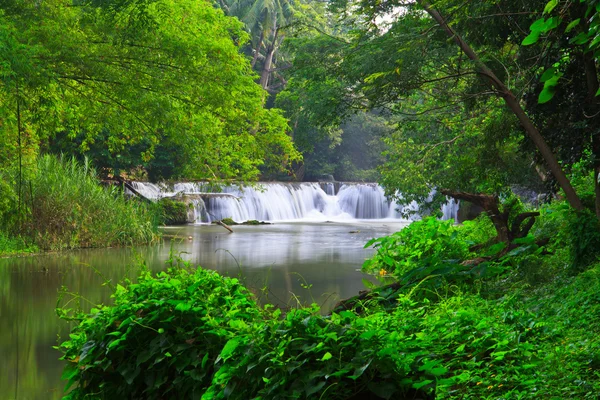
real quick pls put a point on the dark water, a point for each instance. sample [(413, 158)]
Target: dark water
[(282, 263)]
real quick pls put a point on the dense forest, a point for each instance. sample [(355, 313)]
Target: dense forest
[(432, 99)]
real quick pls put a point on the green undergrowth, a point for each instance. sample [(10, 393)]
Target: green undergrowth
[(520, 323), (172, 212), (193, 334), (64, 206), (15, 245)]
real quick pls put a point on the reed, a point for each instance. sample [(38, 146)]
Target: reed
[(69, 208)]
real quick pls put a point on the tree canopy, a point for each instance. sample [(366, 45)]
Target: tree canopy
[(137, 75)]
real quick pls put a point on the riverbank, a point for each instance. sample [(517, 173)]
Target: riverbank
[(502, 320), (281, 263), (62, 205)]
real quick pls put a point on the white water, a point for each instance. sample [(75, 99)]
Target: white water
[(274, 201)]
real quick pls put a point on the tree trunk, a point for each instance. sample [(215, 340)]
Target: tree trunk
[(592, 109), (266, 71), (591, 75), (490, 205), (520, 227), (224, 225), (258, 47), (512, 102)]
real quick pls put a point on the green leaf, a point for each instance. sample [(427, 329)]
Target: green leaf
[(419, 385), (546, 95), (360, 370), (326, 356), (538, 25), (531, 38), (229, 348), (183, 306), (368, 284), (581, 38), (550, 6), (312, 389), (572, 25), (368, 335), (549, 73), (114, 343), (594, 42)]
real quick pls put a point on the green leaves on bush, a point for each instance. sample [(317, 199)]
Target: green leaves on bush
[(193, 334), (426, 242)]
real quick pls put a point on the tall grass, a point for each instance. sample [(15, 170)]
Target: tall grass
[(69, 208)]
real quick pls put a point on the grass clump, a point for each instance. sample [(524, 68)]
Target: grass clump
[(68, 208), (15, 245)]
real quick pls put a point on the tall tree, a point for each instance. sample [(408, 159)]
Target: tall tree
[(512, 102), (139, 71)]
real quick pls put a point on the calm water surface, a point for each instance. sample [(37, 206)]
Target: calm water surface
[(276, 261)]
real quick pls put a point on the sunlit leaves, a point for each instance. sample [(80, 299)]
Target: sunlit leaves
[(174, 74), (550, 6)]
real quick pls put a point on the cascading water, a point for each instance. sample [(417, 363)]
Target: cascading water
[(274, 201)]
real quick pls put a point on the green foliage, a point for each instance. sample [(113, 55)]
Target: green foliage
[(173, 212), (427, 245), (68, 208), (125, 81), (477, 231), (194, 334), (14, 245), (568, 18), (165, 335), (574, 233)]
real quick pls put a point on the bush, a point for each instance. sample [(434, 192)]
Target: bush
[(68, 208), (163, 336), (424, 249), (577, 233), (194, 334), (15, 245), (173, 212)]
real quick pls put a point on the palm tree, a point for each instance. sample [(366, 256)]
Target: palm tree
[(265, 20)]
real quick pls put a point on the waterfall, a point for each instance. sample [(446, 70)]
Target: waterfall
[(277, 201)]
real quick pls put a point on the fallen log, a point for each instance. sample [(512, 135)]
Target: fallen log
[(224, 226)]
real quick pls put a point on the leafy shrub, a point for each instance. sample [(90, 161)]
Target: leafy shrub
[(577, 232), (428, 242), (162, 338), (478, 231), (173, 212), (193, 334), (15, 245)]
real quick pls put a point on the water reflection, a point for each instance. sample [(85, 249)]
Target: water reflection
[(275, 261)]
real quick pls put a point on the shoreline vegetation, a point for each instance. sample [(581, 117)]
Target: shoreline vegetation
[(63, 206), (461, 320)]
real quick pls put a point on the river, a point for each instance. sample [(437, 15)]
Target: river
[(282, 263)]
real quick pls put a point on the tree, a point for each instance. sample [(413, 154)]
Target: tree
[(567, 107), (511, 101), (134, 72)]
